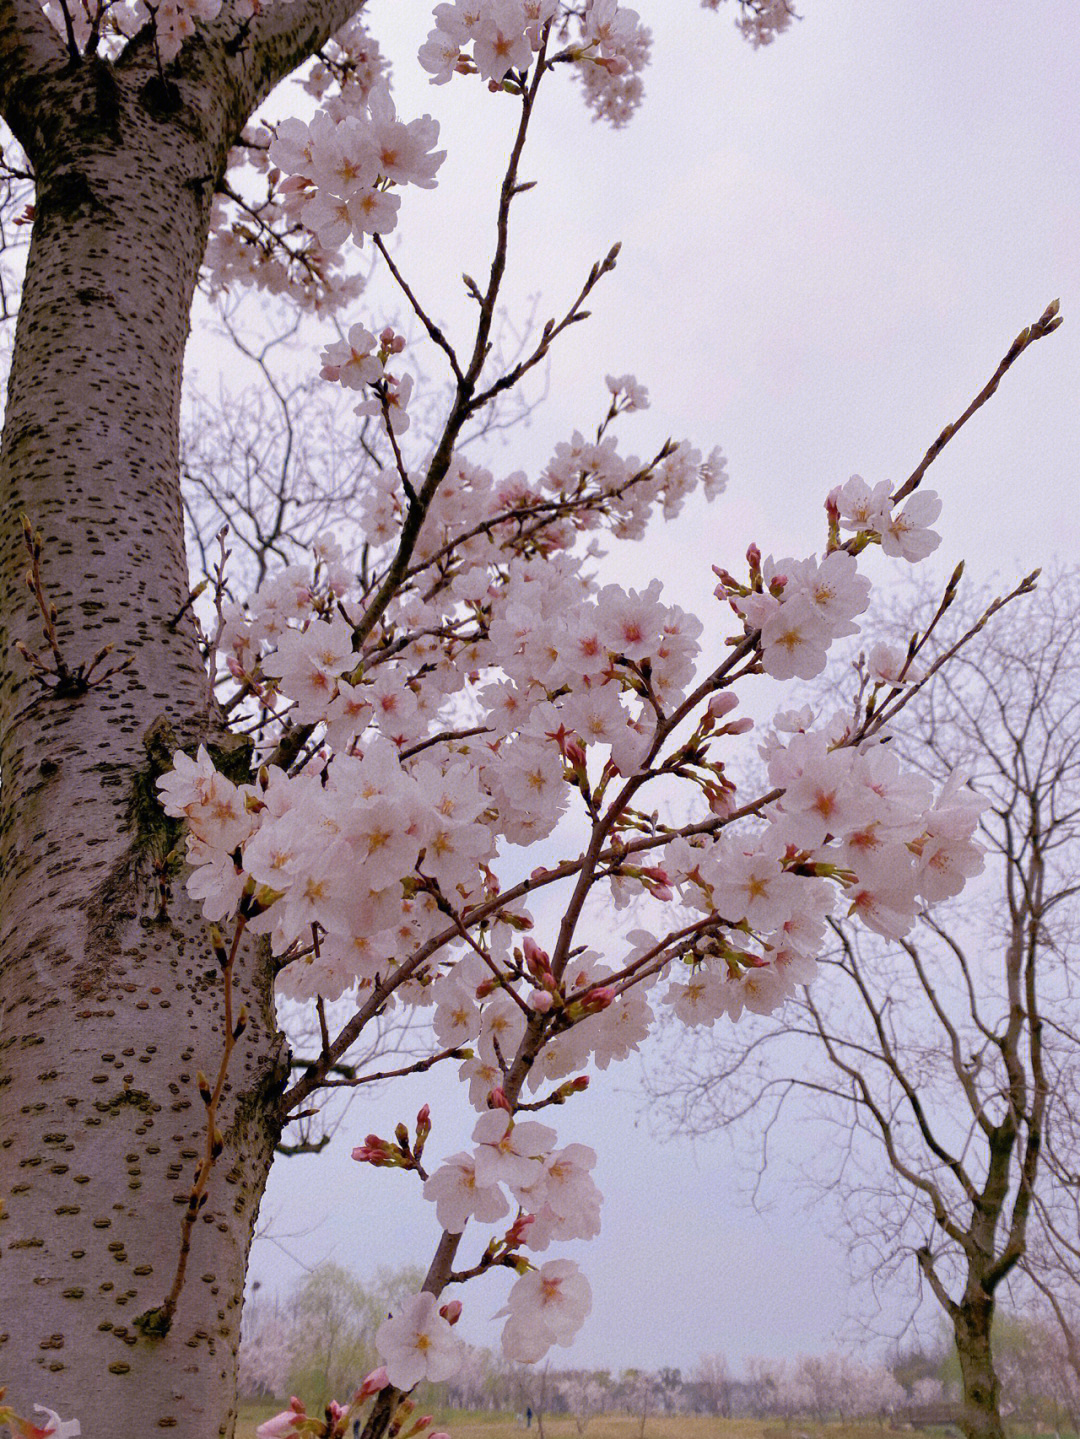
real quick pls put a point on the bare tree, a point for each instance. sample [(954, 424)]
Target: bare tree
[(947, 1061)]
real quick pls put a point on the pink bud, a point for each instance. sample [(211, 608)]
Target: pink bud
[(497, 1100), (535, 957), (376, 1380), (739, 726), (516, 1233), (722, 704), (281, 1426), (424, 1117), (540, 1000), (598, 999), (451, 1312), (373, 1151)]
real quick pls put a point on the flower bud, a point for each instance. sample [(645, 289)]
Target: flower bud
[(597, 999), (515, 1235), (722, 704), (537, 960), (376, 1380)]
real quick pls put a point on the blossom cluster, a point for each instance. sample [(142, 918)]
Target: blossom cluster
[(342, 170), (172, 21), (550, 1185), (359, 363), (760, 21), (503, 691), (496, 38)]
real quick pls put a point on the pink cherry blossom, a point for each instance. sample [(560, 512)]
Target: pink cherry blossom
[(417, 1343)]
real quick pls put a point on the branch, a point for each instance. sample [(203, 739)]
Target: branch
[(1047, 322), (281, 36), (30, 50), (429, 325), (420, 1067)]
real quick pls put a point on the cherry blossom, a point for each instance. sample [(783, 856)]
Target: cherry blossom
[(546, 1306), (417, 1343)]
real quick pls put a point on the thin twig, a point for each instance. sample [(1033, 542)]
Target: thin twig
[(1046, 324)]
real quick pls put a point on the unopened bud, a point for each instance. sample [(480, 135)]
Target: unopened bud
[(515, 1235), (217, 1142), (597, 999), (497, 1100), (204, 1087), (537, 960), (376, 1380), (241, 1022), (374, 1151), (575, 754), (451, 1312), (722, 704)]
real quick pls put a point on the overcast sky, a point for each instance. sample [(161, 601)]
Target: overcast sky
[(827, 246)]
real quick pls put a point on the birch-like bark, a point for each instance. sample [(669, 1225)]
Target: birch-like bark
[(108, 1007)]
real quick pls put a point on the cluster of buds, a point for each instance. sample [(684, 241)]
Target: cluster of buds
[(403, 1153), (335, 1420)]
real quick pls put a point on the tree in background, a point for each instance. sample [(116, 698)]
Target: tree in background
[(350, 801), (947, 1060), (321, 1341), (714, 1381)]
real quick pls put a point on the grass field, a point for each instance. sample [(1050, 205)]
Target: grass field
[(610, 1426)]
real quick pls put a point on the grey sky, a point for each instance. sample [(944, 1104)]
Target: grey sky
[(828, 245)]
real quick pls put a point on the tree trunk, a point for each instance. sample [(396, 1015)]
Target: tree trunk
[(110, 1002), (972, 1323)]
